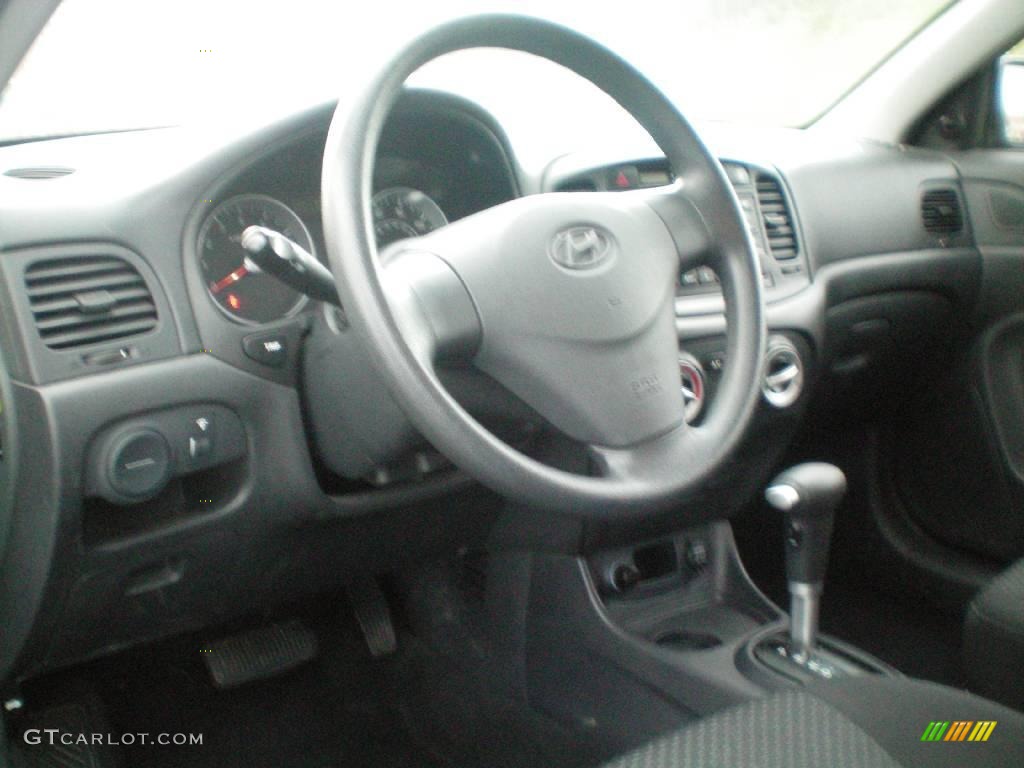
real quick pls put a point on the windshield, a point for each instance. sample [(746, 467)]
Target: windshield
[(114, 64)]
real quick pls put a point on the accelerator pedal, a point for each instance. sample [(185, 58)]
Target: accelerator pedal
[(374, 616), (259, 654)]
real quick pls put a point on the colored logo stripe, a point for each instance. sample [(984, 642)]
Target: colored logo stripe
[(982, 730), (958, 730)]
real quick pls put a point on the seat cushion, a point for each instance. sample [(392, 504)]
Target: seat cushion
[(896, 711), (867, 722), (994, 638), (788, 730)]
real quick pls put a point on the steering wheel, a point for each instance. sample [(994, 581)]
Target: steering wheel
[(567, 299)]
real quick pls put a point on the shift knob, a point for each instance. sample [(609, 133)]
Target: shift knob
[(807, 495)]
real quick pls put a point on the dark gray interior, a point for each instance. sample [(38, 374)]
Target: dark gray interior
[(564, 511)]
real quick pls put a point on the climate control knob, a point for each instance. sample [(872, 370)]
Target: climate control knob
[(783, 379), (694, 386)]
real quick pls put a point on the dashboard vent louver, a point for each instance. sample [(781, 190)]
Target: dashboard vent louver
[(778, 222), (84, 300), (940, 211)]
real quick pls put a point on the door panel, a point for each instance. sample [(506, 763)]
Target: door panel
[(959, 460)]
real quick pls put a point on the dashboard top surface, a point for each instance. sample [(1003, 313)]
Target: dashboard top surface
[(153, 193)]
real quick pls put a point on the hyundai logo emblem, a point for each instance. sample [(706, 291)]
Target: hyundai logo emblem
[(581, 247)]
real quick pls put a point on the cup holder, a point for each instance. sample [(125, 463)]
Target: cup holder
[(680, 640)]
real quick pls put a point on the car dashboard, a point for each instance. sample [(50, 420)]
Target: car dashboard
[(133, 330)]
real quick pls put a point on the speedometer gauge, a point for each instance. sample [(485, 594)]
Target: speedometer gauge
[(401, 212), (235, 284)]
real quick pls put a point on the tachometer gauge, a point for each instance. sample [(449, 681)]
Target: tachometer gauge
[(401, 212), (235, 284)]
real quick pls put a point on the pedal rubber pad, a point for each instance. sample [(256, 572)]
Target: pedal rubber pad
[(373, 615), (259, 654)]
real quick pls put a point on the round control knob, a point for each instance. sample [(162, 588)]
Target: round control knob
[(136, 465), (783, 378), (691, 375)]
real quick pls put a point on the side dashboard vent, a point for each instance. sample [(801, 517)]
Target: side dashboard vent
[(778, 221), (83, 300), (941, 213)]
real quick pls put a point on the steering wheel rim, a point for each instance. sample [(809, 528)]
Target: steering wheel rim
[(641, 475)]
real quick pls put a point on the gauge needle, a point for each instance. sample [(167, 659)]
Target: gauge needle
[(224, 282)]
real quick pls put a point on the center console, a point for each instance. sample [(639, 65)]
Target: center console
[(675, 625)]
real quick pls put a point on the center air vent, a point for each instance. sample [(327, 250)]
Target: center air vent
[(940, 211), (778, 222), (88, 299)]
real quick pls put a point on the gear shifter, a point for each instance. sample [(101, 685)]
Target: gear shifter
[(807, 495)]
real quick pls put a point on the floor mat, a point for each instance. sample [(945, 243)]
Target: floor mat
[(453, 709), (331, 712), (453, 689), (444, 699)]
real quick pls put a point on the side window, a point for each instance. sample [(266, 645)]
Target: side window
[(1011, 94)]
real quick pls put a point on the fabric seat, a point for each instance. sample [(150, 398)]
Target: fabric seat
[(994, 638), (865, 722)]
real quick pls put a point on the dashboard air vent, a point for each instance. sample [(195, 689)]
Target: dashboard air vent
[(84, 300), (940, 211), (778, 222), (41, 172)]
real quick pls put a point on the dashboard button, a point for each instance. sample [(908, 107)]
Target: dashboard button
[(624, 177), (270, 349), (707, 276), (200, 442), (199, 448)]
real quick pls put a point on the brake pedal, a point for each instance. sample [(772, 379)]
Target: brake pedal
[(259, 654), (374, 616)]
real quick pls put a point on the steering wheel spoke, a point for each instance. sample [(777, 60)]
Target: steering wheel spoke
[(430, 305), (653, 459), (684, 222)]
